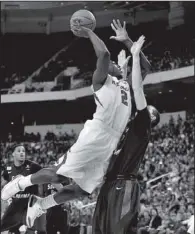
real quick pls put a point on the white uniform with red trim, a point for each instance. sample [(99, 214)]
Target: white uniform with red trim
[(88, 159)]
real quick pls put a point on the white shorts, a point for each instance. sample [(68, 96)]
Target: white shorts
[(87, 160)]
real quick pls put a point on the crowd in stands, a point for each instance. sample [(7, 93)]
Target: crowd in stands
[(47, 60), (83, 79), (166, 177), (169, 62)]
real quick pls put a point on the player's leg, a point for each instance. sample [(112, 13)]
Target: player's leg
[(95, 222), (13, 216), (100, 216), (39, 225), (44, 176), (61, 222), (57, 220), (67, 193), (129, 209), (37, 206)]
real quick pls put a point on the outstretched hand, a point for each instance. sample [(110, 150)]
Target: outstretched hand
[(136, 47), (121, 32), (123, 62)]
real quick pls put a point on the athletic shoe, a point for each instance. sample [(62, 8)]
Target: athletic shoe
[(34, 210), (10, 189)]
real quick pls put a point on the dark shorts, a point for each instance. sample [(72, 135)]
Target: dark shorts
[(15, 216), (117, 208), (57, 220)]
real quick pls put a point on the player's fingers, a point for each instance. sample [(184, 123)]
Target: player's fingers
[(123, 53), (84, 28), (119, 23), (113, 27), (113, 37), (127, 59), (74, 28), (115, 24), (141, 38), (126, 62), (124, 24), (142, 42)]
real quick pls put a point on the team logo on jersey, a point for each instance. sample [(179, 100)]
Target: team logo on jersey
[(9, 170), (24, 195), (124, 85)]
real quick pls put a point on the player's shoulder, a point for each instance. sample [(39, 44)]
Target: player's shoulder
[(143, 113), (32, 165), (142, 122)]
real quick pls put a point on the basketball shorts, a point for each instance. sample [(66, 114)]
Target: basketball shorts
[(117, 208), (88, 159), (15, 216), (57, 220)]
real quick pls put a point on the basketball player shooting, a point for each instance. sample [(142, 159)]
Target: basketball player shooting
[(118, 201), (87, 160)]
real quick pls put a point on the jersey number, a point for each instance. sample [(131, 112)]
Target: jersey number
[(124, 97)]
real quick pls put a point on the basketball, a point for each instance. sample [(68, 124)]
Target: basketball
[(84, 18)]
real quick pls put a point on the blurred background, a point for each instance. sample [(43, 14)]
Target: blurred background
[(45, 82)]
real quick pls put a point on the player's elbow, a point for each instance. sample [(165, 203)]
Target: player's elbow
[(105, 54)]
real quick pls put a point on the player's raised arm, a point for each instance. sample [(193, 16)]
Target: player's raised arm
[(122, 36), (137, 82), (103, 57)]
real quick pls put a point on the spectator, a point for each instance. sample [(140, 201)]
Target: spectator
[(166, 175)]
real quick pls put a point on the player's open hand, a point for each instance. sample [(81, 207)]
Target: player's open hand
[(121, 32), (136, 47), (123, 62)]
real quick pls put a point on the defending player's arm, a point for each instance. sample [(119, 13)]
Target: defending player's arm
[(103, 57), (137, 82), (122, 35)]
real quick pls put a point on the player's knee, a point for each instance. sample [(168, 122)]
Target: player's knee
[(55, 178), (49, 173), (80, 191)]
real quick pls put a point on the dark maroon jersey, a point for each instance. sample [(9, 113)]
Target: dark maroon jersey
[(130, 151), (27, 168)]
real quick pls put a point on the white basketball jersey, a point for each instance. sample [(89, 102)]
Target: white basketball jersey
[(113, 102)]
